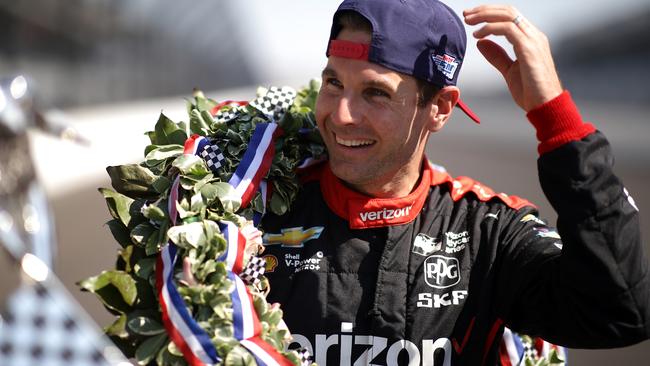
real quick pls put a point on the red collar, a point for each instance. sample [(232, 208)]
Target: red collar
[(363, 212)]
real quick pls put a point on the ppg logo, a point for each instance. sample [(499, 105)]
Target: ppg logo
[(441, 272)]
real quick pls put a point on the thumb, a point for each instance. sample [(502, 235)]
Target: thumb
[(495, 55)]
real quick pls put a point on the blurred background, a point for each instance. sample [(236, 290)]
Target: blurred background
[(108, 68)]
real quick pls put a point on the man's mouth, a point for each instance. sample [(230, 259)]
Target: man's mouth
[(353, 142)]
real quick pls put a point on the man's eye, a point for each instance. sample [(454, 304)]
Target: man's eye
[(372, 92), (333, 82)]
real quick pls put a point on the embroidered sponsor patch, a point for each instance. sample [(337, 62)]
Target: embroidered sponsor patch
[(425, 245), (446, 64), (294, 236), (271, 263), (437, 301), (455, 242), (295, 262), (441, 272), (385, 214)]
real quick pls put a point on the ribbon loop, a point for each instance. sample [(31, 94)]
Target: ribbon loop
[(275, 103)]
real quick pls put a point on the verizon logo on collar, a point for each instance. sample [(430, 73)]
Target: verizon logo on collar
[(366, 213), (385, 214)]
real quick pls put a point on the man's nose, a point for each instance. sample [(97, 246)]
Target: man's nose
[(346, 111)]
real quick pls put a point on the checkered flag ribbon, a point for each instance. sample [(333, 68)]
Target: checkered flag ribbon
[(228, 114), (212, 155), (305, 357), (254, 271), (275, 103), (41, 327), (530, 353)]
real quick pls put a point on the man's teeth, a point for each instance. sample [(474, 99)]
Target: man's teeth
[(353, 143)]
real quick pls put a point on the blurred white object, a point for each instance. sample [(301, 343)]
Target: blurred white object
[(44, 324)]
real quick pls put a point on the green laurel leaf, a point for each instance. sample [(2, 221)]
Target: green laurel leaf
[(167, 132), (116, 289), (121, 207), (149, 348), (132, 180)]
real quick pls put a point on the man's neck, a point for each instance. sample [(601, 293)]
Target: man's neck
[(399, 184)]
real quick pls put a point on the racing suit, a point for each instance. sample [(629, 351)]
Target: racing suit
[(432, 278)]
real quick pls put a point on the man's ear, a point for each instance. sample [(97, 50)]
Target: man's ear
[(445, 101)]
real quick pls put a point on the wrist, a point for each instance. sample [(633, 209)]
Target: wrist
[(558, 122)]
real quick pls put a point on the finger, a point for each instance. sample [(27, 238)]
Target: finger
[(495, 55), (482, 8), (495, 14), (513, 33), (490, 14), (188, 276)]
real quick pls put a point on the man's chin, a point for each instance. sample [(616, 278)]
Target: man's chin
[(353, 175)]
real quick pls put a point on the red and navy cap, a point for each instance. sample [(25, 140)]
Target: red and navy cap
[(421, 38)]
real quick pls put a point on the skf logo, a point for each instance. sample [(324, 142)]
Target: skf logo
[(271, 263), (294, 237), (441, 272), (430, 300), (425, 245)]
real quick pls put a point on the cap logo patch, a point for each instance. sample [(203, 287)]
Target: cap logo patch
[(446, 64)]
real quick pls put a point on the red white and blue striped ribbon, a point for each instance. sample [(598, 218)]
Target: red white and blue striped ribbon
[(246, 324), (184, 331), (511, 351), (235, 247), (193, 341), (245, 321), (194, 144), (232, 103), (256, 161), (544, 349), (263, 352)]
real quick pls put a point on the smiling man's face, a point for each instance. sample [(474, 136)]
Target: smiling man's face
[(370, 120)]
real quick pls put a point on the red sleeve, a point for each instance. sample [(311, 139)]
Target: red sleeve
[(558, 122)]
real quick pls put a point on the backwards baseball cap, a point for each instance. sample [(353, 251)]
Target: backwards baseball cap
[(421, 38)]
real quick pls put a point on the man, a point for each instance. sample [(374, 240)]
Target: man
[(385, 260)]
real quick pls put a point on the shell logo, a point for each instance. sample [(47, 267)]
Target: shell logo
[(271, 263)]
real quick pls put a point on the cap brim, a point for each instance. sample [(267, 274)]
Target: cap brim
[(468, 111)]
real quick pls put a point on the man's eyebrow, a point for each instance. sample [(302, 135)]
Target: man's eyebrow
[(328, 72), (379, 84)]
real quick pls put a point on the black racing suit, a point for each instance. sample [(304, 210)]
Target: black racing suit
[(432, 278)]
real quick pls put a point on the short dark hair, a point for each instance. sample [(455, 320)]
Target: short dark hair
[(354, 21), (426, 92)]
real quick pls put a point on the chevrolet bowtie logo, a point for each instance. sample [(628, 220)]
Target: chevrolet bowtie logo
[(293, 236)]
